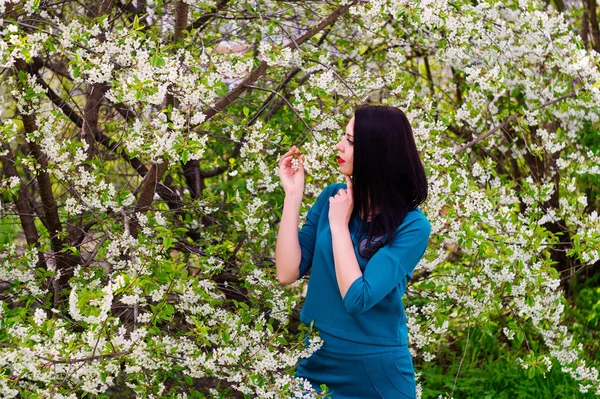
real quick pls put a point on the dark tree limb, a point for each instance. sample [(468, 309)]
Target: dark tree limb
[(166, 192), (593, 19), (201, 22), (194, 178), (584, 32), (181, 16), (253, 76), (151, 181), (65, 263), (24, 209), (560, 5), (89, 131), (429, 75), (127, 113), (96, 91)]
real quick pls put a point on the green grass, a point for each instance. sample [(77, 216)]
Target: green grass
[(498, 379), (490, 370)]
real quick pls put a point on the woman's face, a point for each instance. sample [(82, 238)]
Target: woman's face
[(346, 149)]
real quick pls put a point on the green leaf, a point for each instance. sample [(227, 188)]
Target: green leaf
[(157, 61), (281, 339), (226, 336)]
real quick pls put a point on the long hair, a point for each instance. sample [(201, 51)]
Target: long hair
[(388, 176)]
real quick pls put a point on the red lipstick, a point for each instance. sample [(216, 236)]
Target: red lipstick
[(340, 160)]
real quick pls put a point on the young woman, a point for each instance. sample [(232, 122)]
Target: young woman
[(361, 242)]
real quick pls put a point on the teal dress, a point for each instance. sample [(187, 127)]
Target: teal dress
[(365, 350)]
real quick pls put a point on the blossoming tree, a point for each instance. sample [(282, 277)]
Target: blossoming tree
[(140, 198)]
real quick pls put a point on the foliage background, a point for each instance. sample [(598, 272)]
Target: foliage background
[(140, 198)]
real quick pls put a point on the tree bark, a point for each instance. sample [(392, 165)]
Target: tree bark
[(65, 262), (96, 91), (24, 209), (584, 32), (593, 19)]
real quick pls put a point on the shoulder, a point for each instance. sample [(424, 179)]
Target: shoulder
[(332, 189), (323, 198), (415, 221)]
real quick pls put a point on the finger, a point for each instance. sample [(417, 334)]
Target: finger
[(282, 162), (350, 189), (287, 154), (286, 161), (301, 162), (291, 151)]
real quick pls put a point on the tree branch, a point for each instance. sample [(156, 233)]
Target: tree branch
[(24, 209), (204, 18), (511, 119), (89, 131), (593, 19), (181, 17), (151, 181), (236, 150), (253, 76)]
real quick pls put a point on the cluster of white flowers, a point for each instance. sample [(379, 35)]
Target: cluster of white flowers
[(18, 266), (98, 309), (491, 242)]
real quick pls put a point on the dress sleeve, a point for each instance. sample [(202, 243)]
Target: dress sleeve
[(307, 236), (391, 265)]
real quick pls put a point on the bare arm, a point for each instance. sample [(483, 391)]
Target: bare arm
[(288, 254), (347, 269)]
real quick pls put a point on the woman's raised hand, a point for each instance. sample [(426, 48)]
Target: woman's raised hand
[(341, 206), (292, 176)]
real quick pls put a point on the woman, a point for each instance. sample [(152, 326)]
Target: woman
[(361, 242)]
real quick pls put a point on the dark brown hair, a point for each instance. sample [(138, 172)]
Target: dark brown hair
[(388, 176)]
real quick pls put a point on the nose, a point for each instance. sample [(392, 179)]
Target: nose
[(339, 145)]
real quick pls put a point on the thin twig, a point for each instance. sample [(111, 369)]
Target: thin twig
[(310, 129), (461, 360), (511, 119), (341, 80)]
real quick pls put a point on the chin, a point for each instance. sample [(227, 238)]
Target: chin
[(344, 170)]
